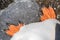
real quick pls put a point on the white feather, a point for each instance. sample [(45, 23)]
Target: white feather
[(37, 31)]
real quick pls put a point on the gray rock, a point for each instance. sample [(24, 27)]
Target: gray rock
[(26, 12), (4, 36)]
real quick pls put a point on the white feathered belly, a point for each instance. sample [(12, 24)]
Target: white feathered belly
[(37, 31)]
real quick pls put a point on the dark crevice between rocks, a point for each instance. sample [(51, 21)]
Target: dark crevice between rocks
[(4, 3)]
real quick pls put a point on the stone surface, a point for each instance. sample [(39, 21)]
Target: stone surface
[(20, 10)]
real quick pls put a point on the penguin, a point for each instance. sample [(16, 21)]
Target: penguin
[(45, 30)]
